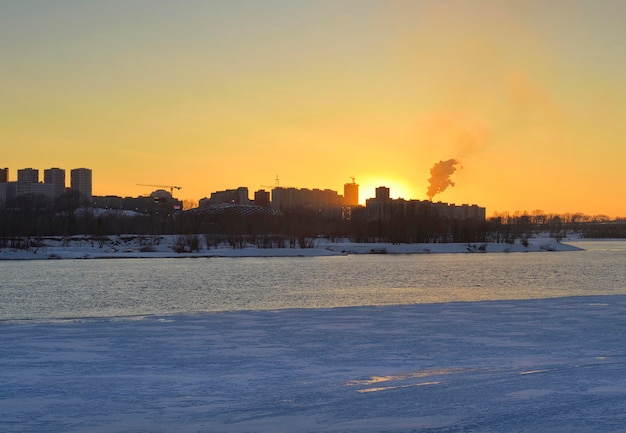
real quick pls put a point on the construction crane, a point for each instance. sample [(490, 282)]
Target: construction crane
[(170, 187), (276, 184)]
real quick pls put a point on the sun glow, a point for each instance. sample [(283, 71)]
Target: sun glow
[(397, 188), (316, 94)]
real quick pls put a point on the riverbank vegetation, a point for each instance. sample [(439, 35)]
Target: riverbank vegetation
[(237, 225)]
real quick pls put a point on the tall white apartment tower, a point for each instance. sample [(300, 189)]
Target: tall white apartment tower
[(56, 178), (81, 182)]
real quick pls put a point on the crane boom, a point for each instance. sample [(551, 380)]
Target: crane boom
[(276, 184), (171, 187)]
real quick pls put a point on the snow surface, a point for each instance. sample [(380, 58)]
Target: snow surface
[(553, 365), (134, 246)]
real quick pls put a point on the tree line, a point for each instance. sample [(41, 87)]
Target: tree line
[(33, 216)]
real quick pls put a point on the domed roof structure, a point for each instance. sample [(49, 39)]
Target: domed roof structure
[(161, 193)]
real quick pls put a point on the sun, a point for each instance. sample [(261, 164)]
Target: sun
[(397, 188)]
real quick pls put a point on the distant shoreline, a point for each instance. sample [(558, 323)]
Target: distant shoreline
[(140, 247)]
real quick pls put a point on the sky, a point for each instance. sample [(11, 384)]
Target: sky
[(527, 96)]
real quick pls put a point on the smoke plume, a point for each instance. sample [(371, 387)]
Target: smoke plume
[(440, 176)]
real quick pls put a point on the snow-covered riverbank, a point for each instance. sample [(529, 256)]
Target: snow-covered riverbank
[(134, 246)]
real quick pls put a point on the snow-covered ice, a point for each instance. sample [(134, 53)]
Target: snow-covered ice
[(136, 246), (553, 365)]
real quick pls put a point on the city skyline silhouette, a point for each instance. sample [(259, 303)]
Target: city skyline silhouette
[(527, 96)]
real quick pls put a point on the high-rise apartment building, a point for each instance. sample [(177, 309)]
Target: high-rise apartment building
[(262, 198), (382, 193), (287, 198), (351, 194), (81, 181), (56, 178), (28, 175), (230, 196), (4, 179), (379, 208)]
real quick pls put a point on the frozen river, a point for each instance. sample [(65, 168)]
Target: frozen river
[(129, 287), (285, 361)]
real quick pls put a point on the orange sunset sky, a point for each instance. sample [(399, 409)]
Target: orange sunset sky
[(529, 95)]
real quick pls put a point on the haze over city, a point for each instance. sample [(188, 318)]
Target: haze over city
[(523, 99)]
